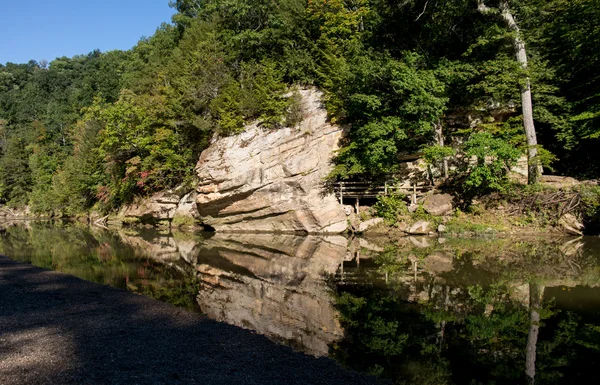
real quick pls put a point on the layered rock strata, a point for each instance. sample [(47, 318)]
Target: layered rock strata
[(162, 206), (272, 180)]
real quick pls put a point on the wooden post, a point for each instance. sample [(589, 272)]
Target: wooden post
[(358, 258), (385, 189), (341, 193), (414, 194), (357, 205)]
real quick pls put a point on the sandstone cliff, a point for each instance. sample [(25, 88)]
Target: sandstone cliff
[(162, 206), (272, 180)]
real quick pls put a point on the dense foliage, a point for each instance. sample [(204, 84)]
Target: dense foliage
[(93, 131)]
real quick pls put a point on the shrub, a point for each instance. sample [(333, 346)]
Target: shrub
[(435, 155), (590, 199), (389, 207), (183, 221), (493, 159)]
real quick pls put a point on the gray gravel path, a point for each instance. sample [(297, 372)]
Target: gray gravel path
[(58, 329)]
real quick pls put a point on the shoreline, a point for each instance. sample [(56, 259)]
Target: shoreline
[(381, 230), (57, 328)]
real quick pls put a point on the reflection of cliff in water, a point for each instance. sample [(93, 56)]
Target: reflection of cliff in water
[(273, 284)]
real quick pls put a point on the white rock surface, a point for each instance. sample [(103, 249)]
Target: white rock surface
[(349, 210), (187, 206), (438, 204), (272, 180), (159, 207), (558, 181), (571, 225), (420, 228), (162, 206), (364, 226)]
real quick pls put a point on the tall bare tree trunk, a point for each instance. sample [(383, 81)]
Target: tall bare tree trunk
[(439, 138), (536, 293), (533, 164)]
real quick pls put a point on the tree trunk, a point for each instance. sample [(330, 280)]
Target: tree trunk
[(439, 138), (536, 293), (533, 164)]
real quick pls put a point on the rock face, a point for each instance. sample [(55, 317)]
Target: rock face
[(438, 204), (519, 171), (272, 180), (162, 206), (187, 206), (364, 226), (571, 225), (420, 228)]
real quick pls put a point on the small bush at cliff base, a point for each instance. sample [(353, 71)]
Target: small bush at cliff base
[(435, 155), (389, 207), (590, 199), (493, 159)]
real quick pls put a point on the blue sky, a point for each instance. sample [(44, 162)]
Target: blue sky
[(37, 30)]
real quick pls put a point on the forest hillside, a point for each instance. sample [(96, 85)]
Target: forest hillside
[(494, 78)]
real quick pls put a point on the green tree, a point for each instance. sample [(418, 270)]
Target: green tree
[(494, 158), (15, 174)]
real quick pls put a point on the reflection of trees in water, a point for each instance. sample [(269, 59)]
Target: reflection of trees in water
[(536, 294), (467, 315), (102, 257), (443, 341), (568, 348), (475, 323)]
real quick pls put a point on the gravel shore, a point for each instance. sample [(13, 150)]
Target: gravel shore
[(58, 329)]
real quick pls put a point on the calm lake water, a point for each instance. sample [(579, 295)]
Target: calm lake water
[(413, 310)]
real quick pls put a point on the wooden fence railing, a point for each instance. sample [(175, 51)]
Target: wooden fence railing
[(373, 190)]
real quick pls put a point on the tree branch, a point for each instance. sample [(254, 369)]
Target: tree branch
[(424, 9)]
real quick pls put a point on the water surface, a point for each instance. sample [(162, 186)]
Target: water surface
[(413, 310)]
